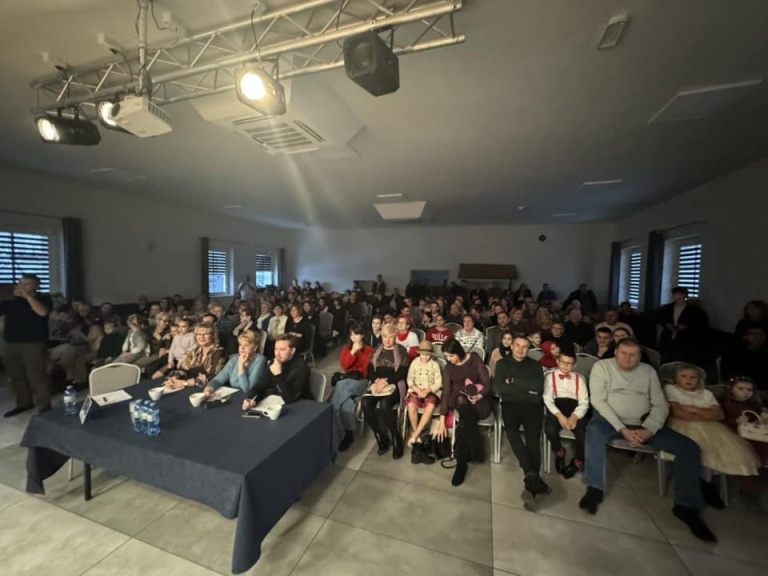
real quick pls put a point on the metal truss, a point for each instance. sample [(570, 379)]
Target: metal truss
[(300, 39)]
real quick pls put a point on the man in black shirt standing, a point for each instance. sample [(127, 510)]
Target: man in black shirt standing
[(26, 331)]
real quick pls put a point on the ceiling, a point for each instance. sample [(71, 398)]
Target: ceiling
[(521, 114)]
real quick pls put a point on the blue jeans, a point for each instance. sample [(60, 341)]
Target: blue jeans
[(686, 451), (344, 400)]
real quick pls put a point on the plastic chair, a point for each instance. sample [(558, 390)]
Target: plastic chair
[(491, 422), (493, 336), (309, 355), (325, 325), (535, 353), (453, 327), (317, 383), (584, 363), (654, 356), (105, 379), (479, 351), (437, 348), (419, 333), (442, 362), (661, 472), (113, 377)]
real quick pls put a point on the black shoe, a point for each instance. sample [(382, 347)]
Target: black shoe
[(692, 518), (559, 461), (18, 410), (529, 500), (398, 449), (383, 443), (570, 470), (346, 442), (711, 495), (591, 500), (459, 474), (538, 486), (419, 456)]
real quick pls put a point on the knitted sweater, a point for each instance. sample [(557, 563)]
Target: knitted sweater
[(425, 376)]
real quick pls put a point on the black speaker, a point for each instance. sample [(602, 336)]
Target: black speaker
[(370, 63)]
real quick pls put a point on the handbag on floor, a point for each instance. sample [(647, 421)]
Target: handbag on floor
[(756, 431)]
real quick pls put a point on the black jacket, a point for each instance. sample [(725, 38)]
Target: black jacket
[(292, 383)]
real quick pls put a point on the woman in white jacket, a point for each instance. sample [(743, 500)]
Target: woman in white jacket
[(136, 342), (470, 337)]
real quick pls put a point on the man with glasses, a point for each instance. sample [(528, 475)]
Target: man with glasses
[(567, 400)]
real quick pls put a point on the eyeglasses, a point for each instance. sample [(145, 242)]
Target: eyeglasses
[(566, 362)]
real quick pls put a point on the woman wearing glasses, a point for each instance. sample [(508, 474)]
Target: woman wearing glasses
[(203, 363)]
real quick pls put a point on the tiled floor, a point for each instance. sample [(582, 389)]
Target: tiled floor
[(369, 515)]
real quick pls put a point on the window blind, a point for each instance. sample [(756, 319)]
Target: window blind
[(25, 254), (635, 272), (264, 270), (218, 271), (689, 268)]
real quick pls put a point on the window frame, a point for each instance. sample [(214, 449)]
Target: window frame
[(630, 249), (674, 241), (273, 255), (16, 223), (228, 269)]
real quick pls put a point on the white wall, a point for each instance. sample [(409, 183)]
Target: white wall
[(134, 246), (733, 211), (572, 254)]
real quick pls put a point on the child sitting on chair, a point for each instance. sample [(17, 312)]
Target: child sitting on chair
[(550, 351), (182, 344), (425, 381), (694, 412), (567, 400), (740, 400)]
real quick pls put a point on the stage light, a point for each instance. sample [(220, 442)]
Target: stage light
[(105, 114), (72, 131), (258, 90)]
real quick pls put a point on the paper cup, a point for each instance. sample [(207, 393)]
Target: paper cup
[(156, 393), (273, 413), (196, 399)]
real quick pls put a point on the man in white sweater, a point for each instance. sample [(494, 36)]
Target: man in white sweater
[(630, 404)]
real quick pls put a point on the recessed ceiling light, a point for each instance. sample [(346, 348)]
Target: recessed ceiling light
[(233, 206), (521, 207), (563, 214), (613, 32), (389, 195)]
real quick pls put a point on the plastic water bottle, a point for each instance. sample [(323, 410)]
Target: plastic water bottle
[(153, 423), (141, 422), (133, 408), (70, 401)]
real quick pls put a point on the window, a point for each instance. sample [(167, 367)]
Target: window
[(22, 253), (631, 275), (689, 267), (265, 270), (218, 272)]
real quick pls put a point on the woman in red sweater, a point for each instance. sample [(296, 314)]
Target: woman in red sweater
[(355, 357), (439, 333)]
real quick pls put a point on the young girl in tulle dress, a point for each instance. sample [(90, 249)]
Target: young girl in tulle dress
[(695, 412)]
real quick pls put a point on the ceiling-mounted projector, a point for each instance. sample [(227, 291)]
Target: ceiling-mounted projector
[(141, 117)]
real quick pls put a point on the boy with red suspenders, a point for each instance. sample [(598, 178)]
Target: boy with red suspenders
[(566, 397)]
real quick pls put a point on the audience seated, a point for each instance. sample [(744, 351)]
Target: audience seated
[(737, 404), (470, 337), (755, 314), (286, 376), (576, 330), (136, 342), (425, 383), (602, 345), (586, 297), (203, 363), (275, 329), (518, 325), (749, 357), (406, 338), (546, 295), (300, 328), (550, 351), (354, 360), (439, 333), (503, 350), (612, 321), (266, 315), (183, 343), (243, 369), (158, 346)]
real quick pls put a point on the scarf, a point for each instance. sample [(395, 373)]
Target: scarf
[(504, 351), (396, 354)]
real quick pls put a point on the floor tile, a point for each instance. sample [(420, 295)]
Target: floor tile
[(355, 456), (10, 435), (341, 550), (623, 509), (434, 519), (536, 545), (13, 467), (321, 497), (123, 505), (476, 485), (740, 532), (9, 496), (136, 558), (38, 539), (187, 524), (703, 564)]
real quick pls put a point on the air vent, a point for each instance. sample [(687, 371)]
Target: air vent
[(696, 103), (278, 136)]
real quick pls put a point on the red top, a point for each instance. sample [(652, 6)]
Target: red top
[(435, 335), (357, 362), (547, 360)]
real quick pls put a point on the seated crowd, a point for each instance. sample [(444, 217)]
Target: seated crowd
[(426, 353)]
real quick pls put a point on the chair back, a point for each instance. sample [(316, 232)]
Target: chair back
[(654, 357), (441, 362), (453, 327), (437, 348), (535, 353), (419, 333), (113, 377), (492, 339), (317, 382), (262, 341), (667, 372), (479, 351), (325, 324), (584, 363)]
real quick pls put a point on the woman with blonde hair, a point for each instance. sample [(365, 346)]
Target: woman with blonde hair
[(159, 344), (202, 364), (243, 369)]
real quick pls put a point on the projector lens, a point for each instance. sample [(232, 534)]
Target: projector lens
[(106, 113)]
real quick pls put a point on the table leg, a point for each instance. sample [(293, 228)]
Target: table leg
[(86, 481)]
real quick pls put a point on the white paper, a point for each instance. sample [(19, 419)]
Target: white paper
[(112, 397), (85, 409), (168, 390), (225, 392)]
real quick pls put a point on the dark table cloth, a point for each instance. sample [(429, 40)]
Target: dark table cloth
[(245, 468)]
